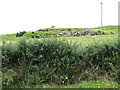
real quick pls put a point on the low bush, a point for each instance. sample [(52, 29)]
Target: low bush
[(32, 62), (20, 34)]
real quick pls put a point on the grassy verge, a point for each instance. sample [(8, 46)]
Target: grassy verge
[(83, 84)]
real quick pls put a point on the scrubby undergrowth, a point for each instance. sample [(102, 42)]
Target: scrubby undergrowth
[(57, 61)]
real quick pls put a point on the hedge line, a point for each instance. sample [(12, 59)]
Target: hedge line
[(57, 61)]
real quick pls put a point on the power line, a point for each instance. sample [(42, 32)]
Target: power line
[(101, 15)]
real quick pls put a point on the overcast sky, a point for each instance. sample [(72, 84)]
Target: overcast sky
[(31, 15)]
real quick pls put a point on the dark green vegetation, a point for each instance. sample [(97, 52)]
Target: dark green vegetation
[(51, 61), (84, 58)]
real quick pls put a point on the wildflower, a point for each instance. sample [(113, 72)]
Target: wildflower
[(114, 87), (108, 84), (62, 81), (102, 82), (98, 86), (66, 77)]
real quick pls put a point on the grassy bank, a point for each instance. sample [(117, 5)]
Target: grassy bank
[(56, 33)]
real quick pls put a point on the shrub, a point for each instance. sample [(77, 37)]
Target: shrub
[(52, 60), (20, 34)]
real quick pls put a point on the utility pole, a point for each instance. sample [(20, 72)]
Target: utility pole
[(101, 15)]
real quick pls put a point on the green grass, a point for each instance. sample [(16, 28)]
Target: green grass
[(95, 84), (44, 32), (51, 32), (112, 28), (88, 39), (47, 32), (8, 38), (82, 84), (107, 29)]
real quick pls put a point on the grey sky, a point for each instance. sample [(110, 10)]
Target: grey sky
[(28, 15)]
